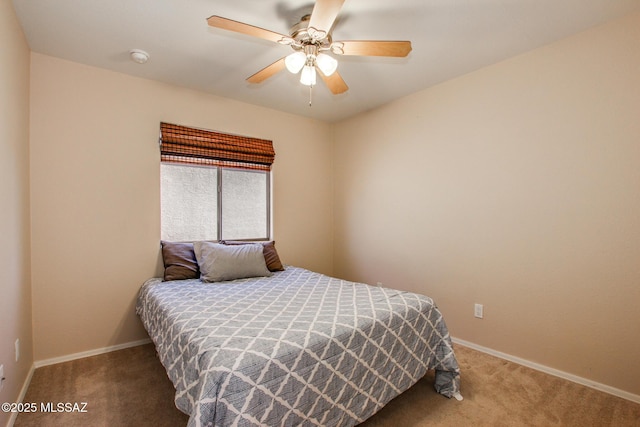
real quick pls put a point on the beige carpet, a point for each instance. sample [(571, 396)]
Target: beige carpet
[(130, 388)]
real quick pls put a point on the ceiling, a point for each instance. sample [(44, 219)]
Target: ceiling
[(449, 38)]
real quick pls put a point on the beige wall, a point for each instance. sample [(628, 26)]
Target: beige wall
[(518, 187), (96, 195), (15, 281)]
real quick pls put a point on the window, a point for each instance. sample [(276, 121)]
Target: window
[(245, 204), (214, 186)]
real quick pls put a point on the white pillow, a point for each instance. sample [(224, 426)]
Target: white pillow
[(221, 262)]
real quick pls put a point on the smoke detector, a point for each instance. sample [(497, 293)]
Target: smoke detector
[(138, 56)]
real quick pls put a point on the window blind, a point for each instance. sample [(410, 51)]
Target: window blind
[(182, 144)]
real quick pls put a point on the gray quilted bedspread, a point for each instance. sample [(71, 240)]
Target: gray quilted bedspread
[(297, 348)]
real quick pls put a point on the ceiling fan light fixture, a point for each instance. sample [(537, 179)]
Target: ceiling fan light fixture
[(310, 36), (295, 61), (308, 75), (327, 64)]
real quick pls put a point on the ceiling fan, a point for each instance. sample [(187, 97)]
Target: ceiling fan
[(310, 39)]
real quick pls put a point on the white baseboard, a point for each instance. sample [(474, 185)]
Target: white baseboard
[(97, 351), (551, 371), (23, 392)]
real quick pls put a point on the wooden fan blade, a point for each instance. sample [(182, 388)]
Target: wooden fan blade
[(375, 48), (324, 14), (335, 83), (267, 72), (242, 28)]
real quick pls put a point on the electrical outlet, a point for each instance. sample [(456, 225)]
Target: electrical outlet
[(478, 311), (1, 376), (379, 284), (17, 349)]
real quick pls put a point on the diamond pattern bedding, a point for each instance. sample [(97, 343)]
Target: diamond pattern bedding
[(296, 348)]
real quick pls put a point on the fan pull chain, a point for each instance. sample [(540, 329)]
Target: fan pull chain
[(310, 95)]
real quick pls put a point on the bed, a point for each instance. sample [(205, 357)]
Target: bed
[(293, 348)]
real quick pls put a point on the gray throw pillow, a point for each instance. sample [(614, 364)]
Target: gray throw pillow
[(222, 262)]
